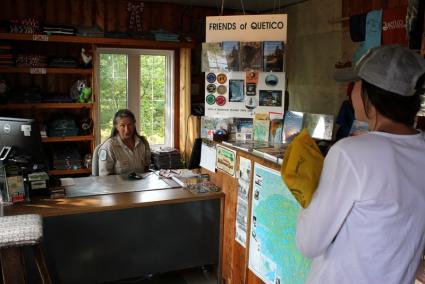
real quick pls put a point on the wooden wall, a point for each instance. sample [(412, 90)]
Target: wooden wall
[(110, 15), (350, 7), (234, 262)]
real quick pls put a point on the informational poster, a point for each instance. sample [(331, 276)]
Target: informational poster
[(244, 63), (232, 94), (226, 160), (273, 255), (243, 197)]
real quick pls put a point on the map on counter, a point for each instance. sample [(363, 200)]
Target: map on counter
[(273, 255)]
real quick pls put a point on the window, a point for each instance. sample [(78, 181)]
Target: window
[(142, 81)]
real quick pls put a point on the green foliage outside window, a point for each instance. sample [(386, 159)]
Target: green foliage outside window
[(113, 94)]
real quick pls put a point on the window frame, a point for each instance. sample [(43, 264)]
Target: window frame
[(133, 86)]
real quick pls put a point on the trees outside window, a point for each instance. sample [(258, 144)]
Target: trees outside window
[(142, 81)]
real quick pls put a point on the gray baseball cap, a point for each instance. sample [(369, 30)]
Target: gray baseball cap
[(394, 68)]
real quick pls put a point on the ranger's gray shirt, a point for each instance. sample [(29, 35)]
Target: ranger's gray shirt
[(116, 158)]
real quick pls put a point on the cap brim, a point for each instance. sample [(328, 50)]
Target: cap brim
[(345, 75)]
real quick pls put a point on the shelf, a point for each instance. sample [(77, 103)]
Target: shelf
[(47, 70), (67, 139), (98, 41), (46, 105), (69, 172)]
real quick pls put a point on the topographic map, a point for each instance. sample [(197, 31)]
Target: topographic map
[(273, 255)]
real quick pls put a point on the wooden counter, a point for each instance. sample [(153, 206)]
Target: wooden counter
[(109, 237)]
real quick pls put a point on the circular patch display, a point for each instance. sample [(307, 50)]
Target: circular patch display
[(211, 88), (221, 78), (271, 80), (210, 99), (221, 89), (220, 100), (211, 77)]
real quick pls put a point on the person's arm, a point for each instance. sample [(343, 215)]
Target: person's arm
[(106, 161), (338, 189)]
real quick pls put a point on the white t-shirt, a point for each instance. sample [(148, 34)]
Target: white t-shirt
[(366, 222), (116, 158)]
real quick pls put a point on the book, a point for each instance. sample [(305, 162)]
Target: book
[(203, 187), (185, 177), (242, 129), (276, 126), (292, 125), (231, 52), (248, 145), (251, 56), (261, 129), (186, 181), (273, 56), (319, 126)]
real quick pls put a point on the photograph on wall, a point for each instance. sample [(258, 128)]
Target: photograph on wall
[(232, 52), (273, 255), (273, 56), (236, 90), (251, 56), (270, 98), (213, 58), (226, 160), (271, 92)]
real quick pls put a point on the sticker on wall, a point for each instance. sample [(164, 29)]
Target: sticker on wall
[(222, 89), (211, 88), (221, 78), (252, 77), (250, 102), (210, 99), (220, 100), (271, 80), (211, 77)]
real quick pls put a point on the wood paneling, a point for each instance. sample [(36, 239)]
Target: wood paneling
[(234, 269), (350, 8), (111, 15)]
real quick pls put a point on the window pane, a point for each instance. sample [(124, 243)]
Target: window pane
[(153, 97), (113, 89)]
